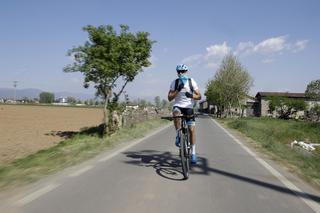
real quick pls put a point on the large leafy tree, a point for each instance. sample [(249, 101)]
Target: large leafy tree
[(46, 97), (313, 90), (110, 60), (230, 85)]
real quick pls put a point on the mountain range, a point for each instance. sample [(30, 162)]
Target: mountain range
[(31, 93)]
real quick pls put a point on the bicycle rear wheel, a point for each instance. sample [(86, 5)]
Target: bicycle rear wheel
[(184, 156)]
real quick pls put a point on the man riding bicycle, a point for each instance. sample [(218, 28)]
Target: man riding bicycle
[(184, 91)]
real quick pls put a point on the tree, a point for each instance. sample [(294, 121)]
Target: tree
[(230, 86), (286, 107), (110, 61), (316, 111), (313, 90), (46, 97), (142, 103), (164, 104), (71, 100), (157, 102)]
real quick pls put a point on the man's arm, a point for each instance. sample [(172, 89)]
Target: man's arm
[(172, 94), (197, 94)]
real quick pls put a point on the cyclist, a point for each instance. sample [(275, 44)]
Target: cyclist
[(184, 91)]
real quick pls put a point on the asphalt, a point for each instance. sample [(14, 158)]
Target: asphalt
[(147, 178)]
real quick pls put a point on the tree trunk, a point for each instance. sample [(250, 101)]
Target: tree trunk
[(105, 118)]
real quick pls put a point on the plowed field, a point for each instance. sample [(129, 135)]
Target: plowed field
[(28, 129)]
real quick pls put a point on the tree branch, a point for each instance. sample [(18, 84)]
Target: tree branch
[(116, 95)]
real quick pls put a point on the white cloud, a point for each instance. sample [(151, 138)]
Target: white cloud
[(269, 48), (300, 45), (271, 45), (211, 59), (218, 50), (215, 54), (193, 60), (244, 48)]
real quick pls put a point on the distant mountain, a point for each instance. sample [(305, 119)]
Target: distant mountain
[(80, 96), (8, 93)]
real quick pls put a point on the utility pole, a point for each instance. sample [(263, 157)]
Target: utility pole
[(15, 83)]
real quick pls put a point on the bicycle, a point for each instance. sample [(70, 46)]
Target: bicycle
[(185, 144)]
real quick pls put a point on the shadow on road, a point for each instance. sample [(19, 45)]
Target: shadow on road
[(165, 164), (96, 130), (168, 166)]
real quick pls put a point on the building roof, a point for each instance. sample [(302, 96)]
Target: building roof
[(281, 94)]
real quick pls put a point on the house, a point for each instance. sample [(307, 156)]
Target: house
[(247, 107), (250, 104), (131, 106), (262, 101), (207, 107)]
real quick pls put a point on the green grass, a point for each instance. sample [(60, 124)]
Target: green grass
[(275, 136), (72, 151)]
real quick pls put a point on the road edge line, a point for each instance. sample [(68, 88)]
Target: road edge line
[(310, 202)]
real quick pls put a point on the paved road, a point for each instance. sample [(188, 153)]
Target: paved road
[(147, 178)]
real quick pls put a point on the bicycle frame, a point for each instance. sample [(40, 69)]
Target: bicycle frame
[(185, 144)]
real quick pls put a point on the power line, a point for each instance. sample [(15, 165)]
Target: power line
[(15, 84)]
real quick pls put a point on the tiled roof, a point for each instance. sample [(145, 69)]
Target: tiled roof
[(281, 94)]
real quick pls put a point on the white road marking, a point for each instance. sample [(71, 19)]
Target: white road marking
[(311, 203), (80, 171), (109, 156), (35, 195)]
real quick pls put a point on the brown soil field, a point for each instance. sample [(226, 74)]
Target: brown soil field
[(27, 129)]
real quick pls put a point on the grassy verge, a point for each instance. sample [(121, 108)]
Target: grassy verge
[(274, 136), (80, 147)]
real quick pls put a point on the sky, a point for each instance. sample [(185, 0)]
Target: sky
[(277, 41)]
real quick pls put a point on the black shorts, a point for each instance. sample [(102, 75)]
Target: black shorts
[(186, 111)]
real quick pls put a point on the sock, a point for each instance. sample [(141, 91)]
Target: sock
[(193, 149)]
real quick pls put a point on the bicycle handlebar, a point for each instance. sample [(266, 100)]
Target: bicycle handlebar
[(170, 118)]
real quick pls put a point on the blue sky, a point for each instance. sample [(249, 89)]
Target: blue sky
[(276, 40)]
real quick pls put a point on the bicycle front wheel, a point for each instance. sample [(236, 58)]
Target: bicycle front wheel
[(184, 156)]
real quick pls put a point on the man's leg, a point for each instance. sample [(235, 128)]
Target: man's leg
[(192, 135), (193, 142), (177, 123)]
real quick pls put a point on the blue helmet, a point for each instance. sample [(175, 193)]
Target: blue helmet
[(182, 67)]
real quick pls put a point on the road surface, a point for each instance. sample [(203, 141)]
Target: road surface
[(147, 178)]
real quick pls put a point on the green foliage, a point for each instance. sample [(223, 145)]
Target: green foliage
[(164, 104), (231, 84), (109, 60), (313, 90), (157, 102), (275, 135), (315, 112), (46, 97), (71, 100), (80, 147), (286, 107), (108, 57), (142, 103)]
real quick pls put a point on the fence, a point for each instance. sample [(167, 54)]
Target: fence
[(133, 116)]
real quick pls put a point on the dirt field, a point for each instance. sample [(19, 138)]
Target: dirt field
[(27, 129)]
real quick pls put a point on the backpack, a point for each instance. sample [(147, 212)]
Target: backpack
[(177, 82)]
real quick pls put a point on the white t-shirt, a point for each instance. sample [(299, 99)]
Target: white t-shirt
[(181, 99)]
